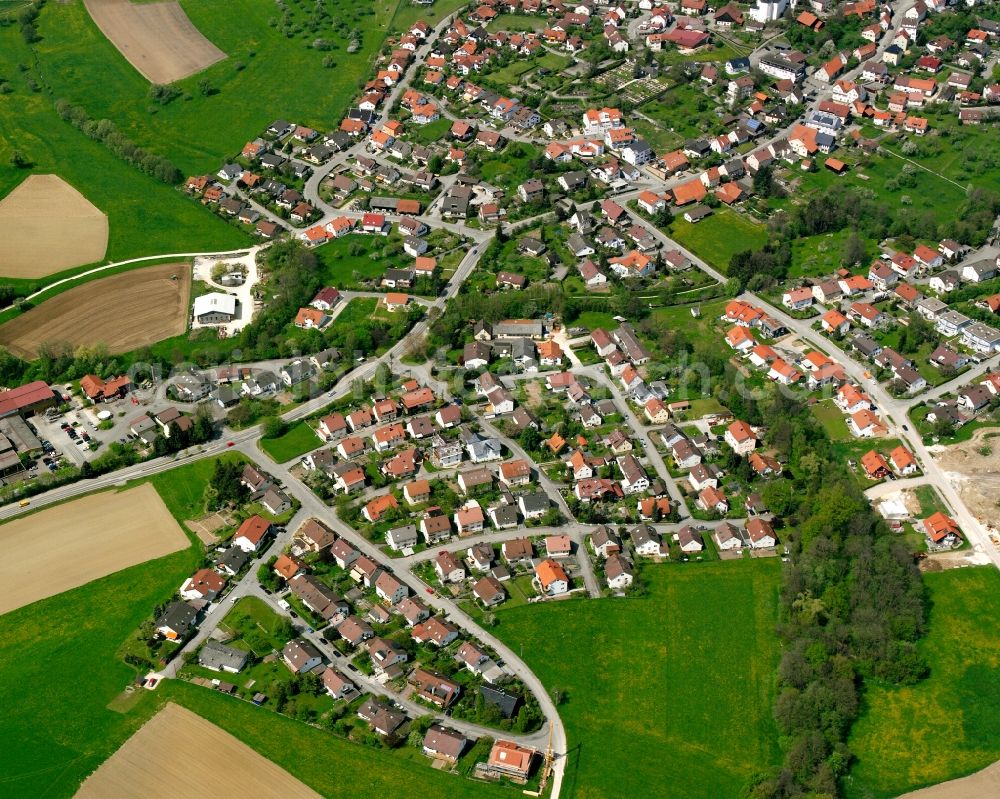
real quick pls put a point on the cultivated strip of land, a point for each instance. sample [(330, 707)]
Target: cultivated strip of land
[(123, 312), (71, 544), (46, 226), (178, 753), (157, 39)]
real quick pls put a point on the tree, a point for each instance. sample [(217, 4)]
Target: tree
[(944, 427), (227, 484), (19, 160), (854, 249), (205, 87), (274, 427)]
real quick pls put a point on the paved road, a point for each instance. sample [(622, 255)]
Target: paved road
[(313, 506)]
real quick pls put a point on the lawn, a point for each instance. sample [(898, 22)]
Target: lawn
[(832, 420), (898, 740), (348, 261), (183, 488), (429, 134), (719, 237), (670, 689), (357, 310), (297, 440), (595, 319), (518, 22), (145, 216)]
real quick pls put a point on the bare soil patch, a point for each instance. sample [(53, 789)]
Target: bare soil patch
[(983, 784), (157, 39), (974, 467), (123, 312), (207, 526), (178, 753), (72, 544), (47, 226)]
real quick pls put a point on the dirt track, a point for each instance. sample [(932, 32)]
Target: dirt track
[(72, 544), (178, 753), (47, 226), (123, 312), (983, 784), (157, 39), (977, 476)]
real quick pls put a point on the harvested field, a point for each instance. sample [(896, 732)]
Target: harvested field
[(157, 39), (123, 312), (69, 545), (178, 752), (983, 784), (47, 226)]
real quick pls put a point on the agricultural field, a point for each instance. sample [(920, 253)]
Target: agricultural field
[(157, 39), (28, 248), (717, 238), (144, 216), (274, 68), (665, 681), (124, 312), (61, 669), (69, 545), (959, 702), (179, 751)]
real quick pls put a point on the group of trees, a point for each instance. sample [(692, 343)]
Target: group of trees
[(857, 209), (852, 604), (226, 486), (106, 132), (27, 18)]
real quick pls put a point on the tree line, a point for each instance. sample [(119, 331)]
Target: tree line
[(852, 604), (106, 132)]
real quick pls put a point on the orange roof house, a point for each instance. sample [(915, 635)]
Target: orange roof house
[(876, 467), (939, 527)]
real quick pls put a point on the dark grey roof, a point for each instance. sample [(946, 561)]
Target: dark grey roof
[(505, 702), (218, 656)]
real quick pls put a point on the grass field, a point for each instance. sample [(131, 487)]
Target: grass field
[(266, 74), (183, 488), (671, 689), (813, 256), (832, 420), (719, 237), (124, 312), (298, 440), (347, 261), (949, 724), (144, 216)]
